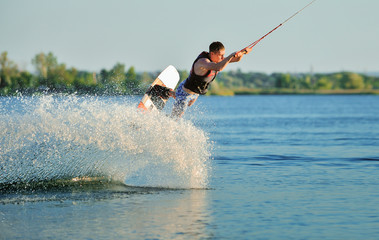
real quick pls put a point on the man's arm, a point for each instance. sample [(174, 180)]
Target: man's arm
[(203, 65), (238, 56)]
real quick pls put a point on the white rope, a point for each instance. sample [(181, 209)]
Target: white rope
[(298, 12)]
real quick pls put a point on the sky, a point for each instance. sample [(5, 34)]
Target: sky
[(90, 35)]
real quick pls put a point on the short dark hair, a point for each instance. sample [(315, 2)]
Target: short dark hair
[(216, 47)]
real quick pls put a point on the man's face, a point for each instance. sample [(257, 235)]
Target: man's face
[(217, 56)]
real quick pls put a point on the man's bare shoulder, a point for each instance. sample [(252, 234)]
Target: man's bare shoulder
[(202, 66), (203, 61)]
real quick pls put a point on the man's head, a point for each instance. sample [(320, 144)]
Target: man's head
[(216, 51)]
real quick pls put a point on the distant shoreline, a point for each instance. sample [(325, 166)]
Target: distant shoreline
[(294, 92), (52, 77), (224, 92)]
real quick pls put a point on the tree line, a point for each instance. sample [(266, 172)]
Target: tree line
[(238, 82), (52, 76)]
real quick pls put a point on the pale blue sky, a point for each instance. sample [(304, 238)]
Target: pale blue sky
[(328, 36)]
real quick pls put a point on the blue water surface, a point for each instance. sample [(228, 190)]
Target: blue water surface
[(282, 167), (296, 167)]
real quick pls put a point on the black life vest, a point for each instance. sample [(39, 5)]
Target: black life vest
[(200, 84)]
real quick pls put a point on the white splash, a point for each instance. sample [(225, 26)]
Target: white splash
[(50, 138)]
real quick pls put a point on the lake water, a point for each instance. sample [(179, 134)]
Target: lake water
[(244, 167)]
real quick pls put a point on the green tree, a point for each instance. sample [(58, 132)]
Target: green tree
[(22, 81), (375, 83), (46, 66), (117, 74), (8, 70), (53, 74), (131, 81), (324, 84), (283, 80), (145, 80), (104, 76), (113, 81), (306, 82), (40, 62), (84, 81), (353, 81)]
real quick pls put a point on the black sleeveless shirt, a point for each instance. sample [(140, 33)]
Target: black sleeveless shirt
[(200, 84)]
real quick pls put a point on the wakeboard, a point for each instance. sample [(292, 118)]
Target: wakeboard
[(160, 90)]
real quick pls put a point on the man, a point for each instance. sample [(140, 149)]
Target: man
[(204, 70)]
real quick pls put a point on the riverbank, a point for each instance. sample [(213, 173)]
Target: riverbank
[(285, 91)]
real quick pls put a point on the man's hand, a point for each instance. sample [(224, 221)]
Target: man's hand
[(246, 50), (171, 93), (237, 56)]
